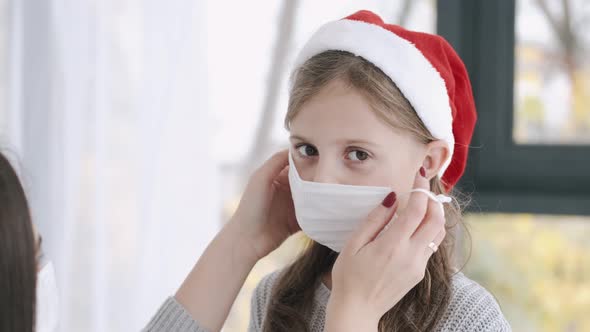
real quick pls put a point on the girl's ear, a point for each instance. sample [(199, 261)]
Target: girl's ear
[(437, 153)]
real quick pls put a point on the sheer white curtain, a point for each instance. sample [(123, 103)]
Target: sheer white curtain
[(108, 117)]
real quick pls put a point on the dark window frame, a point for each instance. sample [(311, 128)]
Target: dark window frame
[(503, 176)]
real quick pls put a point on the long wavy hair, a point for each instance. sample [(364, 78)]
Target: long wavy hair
[(423, 306)]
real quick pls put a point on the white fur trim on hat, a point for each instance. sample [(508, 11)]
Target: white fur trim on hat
[(399, 59)]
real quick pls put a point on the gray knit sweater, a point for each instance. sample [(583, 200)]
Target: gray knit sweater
[(472, 308)]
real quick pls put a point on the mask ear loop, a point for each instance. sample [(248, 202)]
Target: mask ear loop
[(441, 198)]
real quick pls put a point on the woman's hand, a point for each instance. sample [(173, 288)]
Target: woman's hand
[(265, 216), (263, 220), (374, 271)]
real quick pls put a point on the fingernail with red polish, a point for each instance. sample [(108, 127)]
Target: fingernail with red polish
[(422, 172), (389, 200)]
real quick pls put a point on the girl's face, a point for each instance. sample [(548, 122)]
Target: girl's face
[(337, 138)]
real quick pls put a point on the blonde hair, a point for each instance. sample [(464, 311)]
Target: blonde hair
[(424, 305)]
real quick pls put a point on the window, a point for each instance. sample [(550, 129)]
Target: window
[(552, 73), (530, 156), (540, 176)]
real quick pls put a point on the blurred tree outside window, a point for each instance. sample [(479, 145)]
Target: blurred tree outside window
[(552, 72)]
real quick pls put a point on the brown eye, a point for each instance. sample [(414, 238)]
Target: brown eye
[(358, 155), (307, 150)]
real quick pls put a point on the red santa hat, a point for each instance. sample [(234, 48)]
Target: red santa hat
[(425, 68)]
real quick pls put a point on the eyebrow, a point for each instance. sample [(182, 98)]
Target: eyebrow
[(298, 138), (345, 141)]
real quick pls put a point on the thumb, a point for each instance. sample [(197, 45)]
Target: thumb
[(372, 225)]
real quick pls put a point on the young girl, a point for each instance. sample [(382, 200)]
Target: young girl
[(377, 114)]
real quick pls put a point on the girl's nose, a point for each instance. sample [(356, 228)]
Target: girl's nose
[(326, 172)]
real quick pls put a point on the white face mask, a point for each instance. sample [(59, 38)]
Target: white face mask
[(329, 213), (47, 300)]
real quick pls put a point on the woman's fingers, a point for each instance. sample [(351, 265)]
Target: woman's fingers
[(411, 217), (372, 225), (431, 230), (408, 220), (282, 180), (438, 239), (273, 166), (431, 225)]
